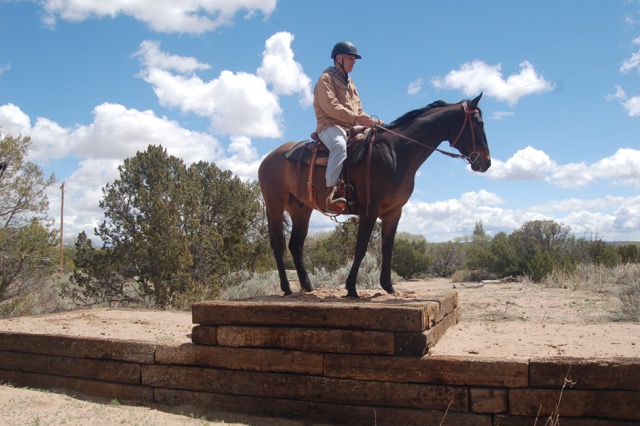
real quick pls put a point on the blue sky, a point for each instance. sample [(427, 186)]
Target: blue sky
[(93, 81)]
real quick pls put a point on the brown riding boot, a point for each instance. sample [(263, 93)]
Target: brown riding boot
[(336, 205)]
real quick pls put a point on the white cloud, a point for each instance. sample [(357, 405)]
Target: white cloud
[(241, 105), (415, 86), (13, 121), (192, 16), (610, 218), (633, 62), (501, 115), (630, 104), (115, 134), (153, 57), (281, 70), (622, 168), (526, 164), (478, 76), (242, 158), (5, 68), (448, 219), (237, 104)]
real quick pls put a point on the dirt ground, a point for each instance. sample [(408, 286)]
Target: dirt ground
[(505, 320)]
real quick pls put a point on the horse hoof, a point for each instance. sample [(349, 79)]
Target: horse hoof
[(288, 293), (389, 289), (352, 295), (307, 288)]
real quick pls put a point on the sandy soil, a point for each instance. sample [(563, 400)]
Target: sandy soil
[(505, 320)]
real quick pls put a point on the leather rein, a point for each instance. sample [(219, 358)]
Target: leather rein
[(467, 119)]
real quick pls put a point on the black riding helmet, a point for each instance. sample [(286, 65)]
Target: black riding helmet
[(345, 47)]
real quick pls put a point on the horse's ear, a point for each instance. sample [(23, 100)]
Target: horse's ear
[(474, 103)]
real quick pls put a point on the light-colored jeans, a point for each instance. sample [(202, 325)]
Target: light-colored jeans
[(335, 138)]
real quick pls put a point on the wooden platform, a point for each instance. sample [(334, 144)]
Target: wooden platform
[(368, 326), (329, 361)]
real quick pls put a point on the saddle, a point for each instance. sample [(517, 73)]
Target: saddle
[(315, 154), (303, 151)]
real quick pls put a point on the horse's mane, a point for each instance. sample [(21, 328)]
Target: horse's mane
[(412, 115)]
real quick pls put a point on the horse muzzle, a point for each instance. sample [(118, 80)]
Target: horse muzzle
[(479, 163)]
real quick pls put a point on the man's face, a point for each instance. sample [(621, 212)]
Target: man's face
[(347, 61)]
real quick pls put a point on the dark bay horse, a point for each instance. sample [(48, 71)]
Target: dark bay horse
[(397, 152)]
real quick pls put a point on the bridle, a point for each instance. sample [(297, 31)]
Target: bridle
[(471, 159)]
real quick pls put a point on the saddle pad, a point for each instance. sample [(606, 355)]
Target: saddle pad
[(303, 151)]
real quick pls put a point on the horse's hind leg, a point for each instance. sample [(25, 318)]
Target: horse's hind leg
[(276, 239), (299, 229)]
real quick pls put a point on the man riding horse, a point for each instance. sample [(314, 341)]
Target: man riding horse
[(338, 108)]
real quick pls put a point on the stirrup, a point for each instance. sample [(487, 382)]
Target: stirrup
[(337, 205)]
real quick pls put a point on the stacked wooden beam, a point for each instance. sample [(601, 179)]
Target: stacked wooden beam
[(393, 327)]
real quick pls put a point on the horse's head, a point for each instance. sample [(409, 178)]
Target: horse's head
[(471, 140)]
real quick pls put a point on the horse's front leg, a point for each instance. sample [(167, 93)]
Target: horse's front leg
[(388, 228), (299, 229), (365, 228)]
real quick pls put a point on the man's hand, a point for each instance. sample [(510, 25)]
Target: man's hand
[(365, 120)]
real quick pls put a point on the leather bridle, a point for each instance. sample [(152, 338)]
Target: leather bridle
[(471, 159)]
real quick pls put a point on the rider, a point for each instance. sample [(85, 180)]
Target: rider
[(338, 108)]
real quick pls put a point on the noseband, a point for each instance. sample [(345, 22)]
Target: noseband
[(475, 155)]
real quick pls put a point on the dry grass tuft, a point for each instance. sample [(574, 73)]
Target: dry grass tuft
[(622, 282)]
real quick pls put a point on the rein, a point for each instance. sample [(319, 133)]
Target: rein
[(470, 159)]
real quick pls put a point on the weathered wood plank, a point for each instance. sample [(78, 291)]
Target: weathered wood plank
[(308, 339), (318, 412), (249, 359), (418, 344), (508, 420), (114, 371), (205, 335), (624, 405), (388, 315), (434, 370), (307, 388), (96, 388), (489, 400), (77, 347), (586, 373)]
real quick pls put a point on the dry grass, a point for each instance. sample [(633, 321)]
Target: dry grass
[(622, 282)]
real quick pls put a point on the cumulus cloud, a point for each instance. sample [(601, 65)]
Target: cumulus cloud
[(280, 70), (630, 103), (477, 76), (14, 121), (611, 218), (622, 168), (115, 134), (448, 219), (241, 105), (237, 104), (193, 16), (415, 86), (526, 164), (633, 62)]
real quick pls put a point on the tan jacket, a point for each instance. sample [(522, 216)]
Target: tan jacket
[(335, 102)]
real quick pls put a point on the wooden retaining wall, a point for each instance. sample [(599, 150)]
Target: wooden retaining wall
[(329, 363)]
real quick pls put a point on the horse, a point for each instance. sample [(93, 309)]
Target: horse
[(386, 179)]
